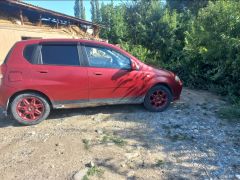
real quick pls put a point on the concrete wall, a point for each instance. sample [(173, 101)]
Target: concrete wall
[(11, 33)]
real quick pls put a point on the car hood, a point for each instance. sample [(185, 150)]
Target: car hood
[(157, 71)]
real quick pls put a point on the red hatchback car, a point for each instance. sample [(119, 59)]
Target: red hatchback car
[(38, 75)]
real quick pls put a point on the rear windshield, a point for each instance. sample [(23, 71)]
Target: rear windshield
[(8, 54), (28, 52)]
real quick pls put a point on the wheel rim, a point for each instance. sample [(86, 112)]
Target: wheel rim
[(158, 99), (30, 108)]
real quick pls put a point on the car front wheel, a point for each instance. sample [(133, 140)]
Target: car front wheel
[(158, 98), (30, 108)]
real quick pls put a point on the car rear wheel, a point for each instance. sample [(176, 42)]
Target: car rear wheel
[(30, 108), (158, 98)]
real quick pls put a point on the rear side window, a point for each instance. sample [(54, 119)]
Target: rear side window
[(60, 55), (28, 52)]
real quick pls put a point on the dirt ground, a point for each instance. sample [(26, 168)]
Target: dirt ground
[(188, 141)]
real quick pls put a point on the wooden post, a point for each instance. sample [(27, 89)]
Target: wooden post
[(21, 17), (96, 31), (57, 23), (40, 20)]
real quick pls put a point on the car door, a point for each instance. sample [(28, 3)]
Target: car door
[(111, 77), (59, 72)]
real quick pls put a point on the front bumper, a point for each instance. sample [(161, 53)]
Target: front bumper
[(177, 90)]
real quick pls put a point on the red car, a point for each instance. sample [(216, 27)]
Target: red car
[(40, 75)]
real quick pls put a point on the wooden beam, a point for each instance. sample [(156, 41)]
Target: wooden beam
[(21, 17)]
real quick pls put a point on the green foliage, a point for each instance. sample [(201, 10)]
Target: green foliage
[(93, 10), (95, 171), (86, 143), (230, 112), (212, 48), (182, 5), (116, 140), (138, 51)]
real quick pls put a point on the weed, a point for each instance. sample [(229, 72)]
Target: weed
[(116, 140), (86, 143), (159, 163), (179, 137), (95, 171), (105, 139), (230, 113), (85, 177)]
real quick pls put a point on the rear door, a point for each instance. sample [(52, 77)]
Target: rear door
[(59, 70)]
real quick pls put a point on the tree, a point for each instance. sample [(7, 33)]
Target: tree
[(98, 12), (183, 5), (93, 10), (79, 9), (114, 19)]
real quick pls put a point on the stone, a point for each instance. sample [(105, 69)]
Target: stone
[(130, 173), (237, 176), (131, 155), (110, 144), (99, 131), (90, 164), (80, 174)]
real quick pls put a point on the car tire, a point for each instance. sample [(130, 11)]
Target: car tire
[(158, 98), (29, 108)]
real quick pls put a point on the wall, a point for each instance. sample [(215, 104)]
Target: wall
[(11, 33)]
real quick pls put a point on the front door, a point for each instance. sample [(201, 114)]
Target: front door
[(111, 77)]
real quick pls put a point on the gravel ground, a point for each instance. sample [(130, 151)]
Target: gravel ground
[(188, 141)]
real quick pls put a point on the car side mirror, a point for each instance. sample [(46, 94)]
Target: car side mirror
[(135, 66)]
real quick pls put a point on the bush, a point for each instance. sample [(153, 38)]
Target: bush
[(136, 50), (212, 49)]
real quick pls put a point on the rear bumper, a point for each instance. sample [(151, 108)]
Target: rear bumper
[(5, 94)]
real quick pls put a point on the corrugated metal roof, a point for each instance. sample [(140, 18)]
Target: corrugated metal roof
[(42, 11)]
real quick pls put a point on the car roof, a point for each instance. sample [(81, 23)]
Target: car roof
[(94, 42), (30, 41)]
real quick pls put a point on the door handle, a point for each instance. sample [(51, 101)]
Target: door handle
[(43, 72), (98, 73)]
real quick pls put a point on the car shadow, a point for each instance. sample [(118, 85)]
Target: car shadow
[(63, 113)]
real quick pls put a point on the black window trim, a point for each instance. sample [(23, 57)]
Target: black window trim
[(102, 46)]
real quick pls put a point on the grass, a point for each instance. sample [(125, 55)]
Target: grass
[(179, 137), (230, 112), (86, 143), (159, 163), (92, 172), (116, 140)]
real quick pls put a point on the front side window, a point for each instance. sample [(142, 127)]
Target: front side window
[(60, 55), (106, 58)]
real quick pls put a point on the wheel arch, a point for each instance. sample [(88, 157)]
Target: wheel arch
[(165, 85), (28, 91)]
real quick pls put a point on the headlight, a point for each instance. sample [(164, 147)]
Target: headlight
[(177, 79)]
